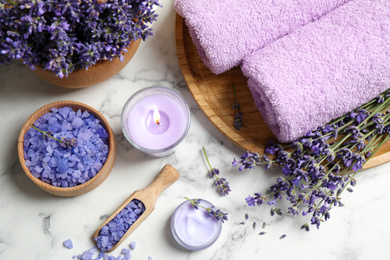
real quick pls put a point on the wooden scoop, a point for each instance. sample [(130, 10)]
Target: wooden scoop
[(148, 196)]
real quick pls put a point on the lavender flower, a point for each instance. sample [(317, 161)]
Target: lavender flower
[(67, 35), (318, 167), (211, 212), (251, 160), (220, 183), (237, 121)]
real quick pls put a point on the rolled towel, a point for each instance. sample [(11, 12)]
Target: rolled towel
[(322, 70), (225, 31)]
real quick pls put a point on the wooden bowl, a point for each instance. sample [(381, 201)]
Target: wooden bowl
[(90, 184), (95, 74)]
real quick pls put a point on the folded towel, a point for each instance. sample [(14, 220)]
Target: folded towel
[(224, 31), (322, 70)]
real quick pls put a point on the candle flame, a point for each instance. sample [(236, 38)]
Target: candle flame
[(156, 116)]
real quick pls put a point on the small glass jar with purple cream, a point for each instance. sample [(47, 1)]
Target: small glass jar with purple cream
[(193, 228), (155, 120)]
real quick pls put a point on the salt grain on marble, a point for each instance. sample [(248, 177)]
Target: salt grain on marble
[(68, 243), (132, 245), (90, 254)]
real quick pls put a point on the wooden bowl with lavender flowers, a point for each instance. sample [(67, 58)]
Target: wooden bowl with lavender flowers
[(101, 71), (74, 163)]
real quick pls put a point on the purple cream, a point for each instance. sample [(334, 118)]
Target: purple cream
[(193, 228)]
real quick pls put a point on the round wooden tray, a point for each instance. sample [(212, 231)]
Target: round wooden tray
[(214, 95)]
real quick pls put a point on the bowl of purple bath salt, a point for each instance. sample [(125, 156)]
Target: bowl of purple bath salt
[(67, 148)]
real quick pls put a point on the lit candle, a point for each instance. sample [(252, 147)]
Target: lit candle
[(155, 120)]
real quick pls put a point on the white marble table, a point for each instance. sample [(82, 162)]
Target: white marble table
[(34, 224)]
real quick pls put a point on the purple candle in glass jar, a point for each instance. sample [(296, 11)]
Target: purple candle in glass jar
[(155, 120)]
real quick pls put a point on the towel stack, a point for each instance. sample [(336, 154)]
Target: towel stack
[(315, 61), (225, 31)]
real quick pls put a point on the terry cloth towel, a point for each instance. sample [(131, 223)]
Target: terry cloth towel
[(322, 70), (225, 31)]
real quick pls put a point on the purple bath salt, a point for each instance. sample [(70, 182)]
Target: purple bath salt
[(59, 163), (68, 243), (111, 233), (132, 245), (125, 251), (95, 254)]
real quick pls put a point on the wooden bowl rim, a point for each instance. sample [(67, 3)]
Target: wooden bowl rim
[(99, 72), (74, 104)]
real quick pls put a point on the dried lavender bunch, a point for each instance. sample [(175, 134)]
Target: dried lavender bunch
[(220, 183), (211, 212), (66, 35), (237, 121), (320, 166)]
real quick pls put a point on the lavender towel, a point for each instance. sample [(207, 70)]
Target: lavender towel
[(225, 31), (322, 70)]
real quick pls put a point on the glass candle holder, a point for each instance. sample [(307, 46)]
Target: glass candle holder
[(193, 228), (155, 120)]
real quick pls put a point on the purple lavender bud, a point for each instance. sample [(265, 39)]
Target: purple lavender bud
[(214, 172), (250, 201), (238, 124), (234, 163), (222, 186), (211, 212), (305, 227)]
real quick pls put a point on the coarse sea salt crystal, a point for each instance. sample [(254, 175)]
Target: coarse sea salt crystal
[(125, 251), (77, 122), (68, 243), (132, 245), (94, 254)]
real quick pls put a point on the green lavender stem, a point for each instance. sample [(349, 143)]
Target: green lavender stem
[(45, 133)]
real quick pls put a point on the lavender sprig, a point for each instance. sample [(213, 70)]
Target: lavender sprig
[(211, 212), (64, 141), (320, 166), (220, 183), (237, 121)]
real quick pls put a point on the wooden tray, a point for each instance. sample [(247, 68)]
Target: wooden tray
[(214, 95)]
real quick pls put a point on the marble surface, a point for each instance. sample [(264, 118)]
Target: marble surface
[(34, 224)]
